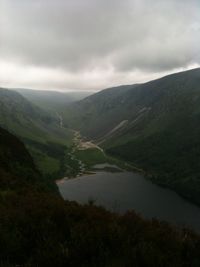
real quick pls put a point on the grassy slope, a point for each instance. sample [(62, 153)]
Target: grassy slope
[(168, 144), (96, 114), (91, 156), (39, 130)]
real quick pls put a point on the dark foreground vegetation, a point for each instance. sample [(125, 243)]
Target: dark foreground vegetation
[(39, 228)]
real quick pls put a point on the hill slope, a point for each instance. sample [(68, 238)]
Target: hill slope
[(40, 131), (14, 161), (155, 125)]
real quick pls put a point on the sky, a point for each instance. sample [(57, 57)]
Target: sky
[(95, 44)]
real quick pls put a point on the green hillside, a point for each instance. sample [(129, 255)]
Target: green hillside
[(155, 126), (39, 130), (96, 114)]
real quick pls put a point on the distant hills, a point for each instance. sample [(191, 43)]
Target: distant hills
[(155, 126), (53, 101)]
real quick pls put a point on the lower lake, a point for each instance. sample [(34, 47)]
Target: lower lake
[(122, 191)]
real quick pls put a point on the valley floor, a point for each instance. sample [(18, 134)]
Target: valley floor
[(84, 154)]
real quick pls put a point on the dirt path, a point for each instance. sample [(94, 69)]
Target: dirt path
[(83, 145)]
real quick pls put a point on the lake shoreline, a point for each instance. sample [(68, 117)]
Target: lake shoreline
[(120, 192)]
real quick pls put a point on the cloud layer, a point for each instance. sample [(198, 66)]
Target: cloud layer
[(93, 44)]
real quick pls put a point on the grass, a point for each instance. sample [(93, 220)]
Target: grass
[(91, 156), (44, 163), (49, 165), (49, 153)]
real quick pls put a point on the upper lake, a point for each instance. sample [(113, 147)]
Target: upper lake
[(122, 191)]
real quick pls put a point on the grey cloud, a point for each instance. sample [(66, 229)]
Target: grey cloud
[(80, 35)]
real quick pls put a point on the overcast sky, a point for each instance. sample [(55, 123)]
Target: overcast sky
[(94, 44)]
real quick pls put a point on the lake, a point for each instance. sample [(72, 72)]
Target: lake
[(122, 191)]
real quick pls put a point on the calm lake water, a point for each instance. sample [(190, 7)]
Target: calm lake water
[(123, 191)]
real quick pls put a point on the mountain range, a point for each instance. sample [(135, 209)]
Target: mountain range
[(52, 101), (155, 126)]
